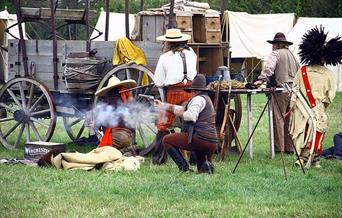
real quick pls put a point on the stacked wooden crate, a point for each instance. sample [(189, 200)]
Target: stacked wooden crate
[(185, 24), (207, 29)]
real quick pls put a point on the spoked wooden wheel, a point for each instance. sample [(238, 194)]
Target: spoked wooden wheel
[(75, 126), (29, 110), (145, 128)]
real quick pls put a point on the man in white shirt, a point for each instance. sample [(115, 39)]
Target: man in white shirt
[(175, 70)]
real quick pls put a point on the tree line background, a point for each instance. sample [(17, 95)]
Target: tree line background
[(302, 8)]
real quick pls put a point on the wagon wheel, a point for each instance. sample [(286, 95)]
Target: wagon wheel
[(29, 110), (146, 130), (75, 126)]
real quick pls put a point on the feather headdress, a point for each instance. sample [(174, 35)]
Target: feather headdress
[(314, 48)]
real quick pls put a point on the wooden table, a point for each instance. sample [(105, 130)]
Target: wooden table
[(249, 93)]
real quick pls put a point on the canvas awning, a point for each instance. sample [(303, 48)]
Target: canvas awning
[(248, 33)]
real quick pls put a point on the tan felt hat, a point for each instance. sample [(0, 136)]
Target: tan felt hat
[(115, 82), (174, 35)]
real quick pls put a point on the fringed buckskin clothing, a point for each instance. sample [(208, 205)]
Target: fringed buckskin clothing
[(280, 68), (204, 141), (323, 89)]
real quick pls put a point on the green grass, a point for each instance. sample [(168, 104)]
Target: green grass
[(257, 189)]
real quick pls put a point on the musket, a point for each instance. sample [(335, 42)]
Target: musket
[(149, 97), (137, 87)]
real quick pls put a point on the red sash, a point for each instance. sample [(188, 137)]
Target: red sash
[(308, 87), (318, 148)]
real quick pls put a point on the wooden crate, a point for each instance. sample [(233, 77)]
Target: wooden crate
[(212, 23), (213, 36), (206, 29), (184, 23), (152, 27)]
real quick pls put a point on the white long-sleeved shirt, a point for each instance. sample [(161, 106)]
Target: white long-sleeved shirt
[(169, 70), (195, 107)]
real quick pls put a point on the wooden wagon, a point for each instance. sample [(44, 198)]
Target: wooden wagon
[(37, 90)]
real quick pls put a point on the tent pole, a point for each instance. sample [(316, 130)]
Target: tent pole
[(87, 26), (21, 34), (172, 22), (127, 17), (107, 20), (142, 5)]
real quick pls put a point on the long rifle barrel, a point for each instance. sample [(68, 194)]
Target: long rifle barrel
[(138, 87)]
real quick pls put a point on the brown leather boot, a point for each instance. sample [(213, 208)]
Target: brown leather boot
[(159, 154)]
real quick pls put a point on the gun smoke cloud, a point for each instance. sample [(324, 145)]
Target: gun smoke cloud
[(130, 114)]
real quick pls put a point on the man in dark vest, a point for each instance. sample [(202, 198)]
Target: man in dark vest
[(198, 133)]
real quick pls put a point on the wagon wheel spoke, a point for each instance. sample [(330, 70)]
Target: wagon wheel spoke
[(37, 102), (14, 98), (73, 123), (142, 135), (7, 107), (28, 138), (34, 128), (128, 73), (40, 112), (19, 135), (11, 130), (6, 119), (81, 131), (22, 95), (39, 122), (29, 101)]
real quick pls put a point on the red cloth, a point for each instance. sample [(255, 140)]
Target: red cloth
[(318, 147), (175, 95), (107, 136)]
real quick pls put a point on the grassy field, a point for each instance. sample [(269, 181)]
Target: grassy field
[(257, 189)]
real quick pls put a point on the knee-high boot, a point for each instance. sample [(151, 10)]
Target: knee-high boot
[(178, 158), (159, 154)]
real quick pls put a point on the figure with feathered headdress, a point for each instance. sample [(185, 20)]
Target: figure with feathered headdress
[(314, 89)]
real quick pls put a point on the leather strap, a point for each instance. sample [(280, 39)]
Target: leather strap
[(308, 87), (185, 70)]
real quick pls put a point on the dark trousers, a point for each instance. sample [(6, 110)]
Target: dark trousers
[(204, 150), (281, 139)]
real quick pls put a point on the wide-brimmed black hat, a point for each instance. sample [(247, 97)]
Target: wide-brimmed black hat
[(199, 83), (279, 37)]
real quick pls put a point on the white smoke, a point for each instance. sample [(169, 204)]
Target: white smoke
[(131, 114)]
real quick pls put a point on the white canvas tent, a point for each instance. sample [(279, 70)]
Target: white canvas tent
[(332, 25), (6, 20), (248, 33), (116, 26)]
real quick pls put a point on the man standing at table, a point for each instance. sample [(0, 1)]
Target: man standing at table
[(281, 67)]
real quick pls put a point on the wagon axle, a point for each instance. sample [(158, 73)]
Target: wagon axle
[(21, 116)]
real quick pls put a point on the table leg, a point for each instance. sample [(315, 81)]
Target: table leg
[(270, 127), (250, 124)]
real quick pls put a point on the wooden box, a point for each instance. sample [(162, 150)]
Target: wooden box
[(184, 23), (35, 150), (212, 23), (191, 34), (206, 29), (213, 36), (152, 27)]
